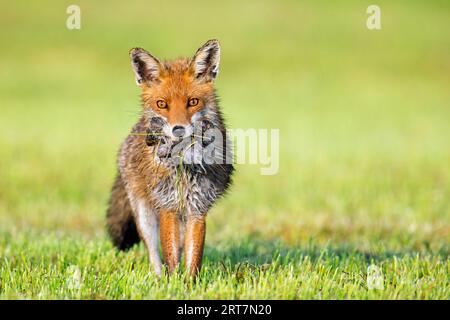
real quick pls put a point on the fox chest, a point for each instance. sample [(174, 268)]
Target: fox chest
[(185, 192)]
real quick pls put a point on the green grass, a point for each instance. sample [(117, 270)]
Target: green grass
[(364, 154)]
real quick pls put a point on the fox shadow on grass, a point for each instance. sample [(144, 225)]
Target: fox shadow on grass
[(259, 253)]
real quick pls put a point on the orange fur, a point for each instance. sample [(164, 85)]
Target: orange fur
[(170, 239)]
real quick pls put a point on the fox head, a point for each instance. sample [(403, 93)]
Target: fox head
[(181, 92)]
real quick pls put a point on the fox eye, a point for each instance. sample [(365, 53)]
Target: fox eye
[(192, 102), (161, 104)]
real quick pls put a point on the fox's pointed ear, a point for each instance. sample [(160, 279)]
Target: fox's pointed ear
[(206, 61), (145, 66)]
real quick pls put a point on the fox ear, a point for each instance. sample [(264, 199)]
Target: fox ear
[(145, 66), (206, 61)]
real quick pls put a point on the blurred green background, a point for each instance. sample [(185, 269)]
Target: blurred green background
[(363, 117)]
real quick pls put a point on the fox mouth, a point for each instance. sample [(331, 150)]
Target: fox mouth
[(179, 150)]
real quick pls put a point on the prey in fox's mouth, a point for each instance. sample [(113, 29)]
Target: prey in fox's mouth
[(196, 148)]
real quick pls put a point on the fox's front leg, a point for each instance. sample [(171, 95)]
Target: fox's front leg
[(194, 240), (147, 225), (169, 231)]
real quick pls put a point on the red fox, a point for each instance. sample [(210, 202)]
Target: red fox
[(157, 190)]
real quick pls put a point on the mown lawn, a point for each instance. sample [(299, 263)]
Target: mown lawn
[(364, 148)]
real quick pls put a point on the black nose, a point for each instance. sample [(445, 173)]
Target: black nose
[(178, 131)]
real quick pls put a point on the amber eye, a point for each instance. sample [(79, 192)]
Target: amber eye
[(161, 104), (193, 102)]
